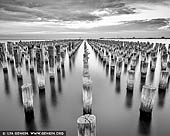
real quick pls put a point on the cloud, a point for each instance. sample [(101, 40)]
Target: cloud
[(24, 3), (125, 11), (149, 24), (14, 10), (72, 10), (65, 16), (113, 4), (149, 1), (80, 17)]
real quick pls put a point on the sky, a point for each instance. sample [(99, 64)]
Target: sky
[(52, 19)]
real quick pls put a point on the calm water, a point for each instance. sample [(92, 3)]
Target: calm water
[(116, 110)]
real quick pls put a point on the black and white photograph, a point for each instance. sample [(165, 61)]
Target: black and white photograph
[(84, 67)]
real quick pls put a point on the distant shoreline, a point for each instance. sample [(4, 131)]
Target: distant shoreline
[(134, 38), (42, 39), (77, 38)]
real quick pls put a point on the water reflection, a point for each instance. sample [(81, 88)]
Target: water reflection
[(96, 54), (30, 125), (13, 70), (151, 76), (22, 61), (59, 81), (73, 59), (107, 70), (53, 92), (6, 80), (142, 82), (70, 65), (29, 120), (111, 76), (125, 69), (8, 60), (43, 110), (137, 60), (33, 81), (144, 124), (46, 67), (168, 83), (63, 71), (129, 96), (99, 59), (118, 85), (87, 110), (27, 65), (161, 98), (35, 62), (104, 64), (20, 83)]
